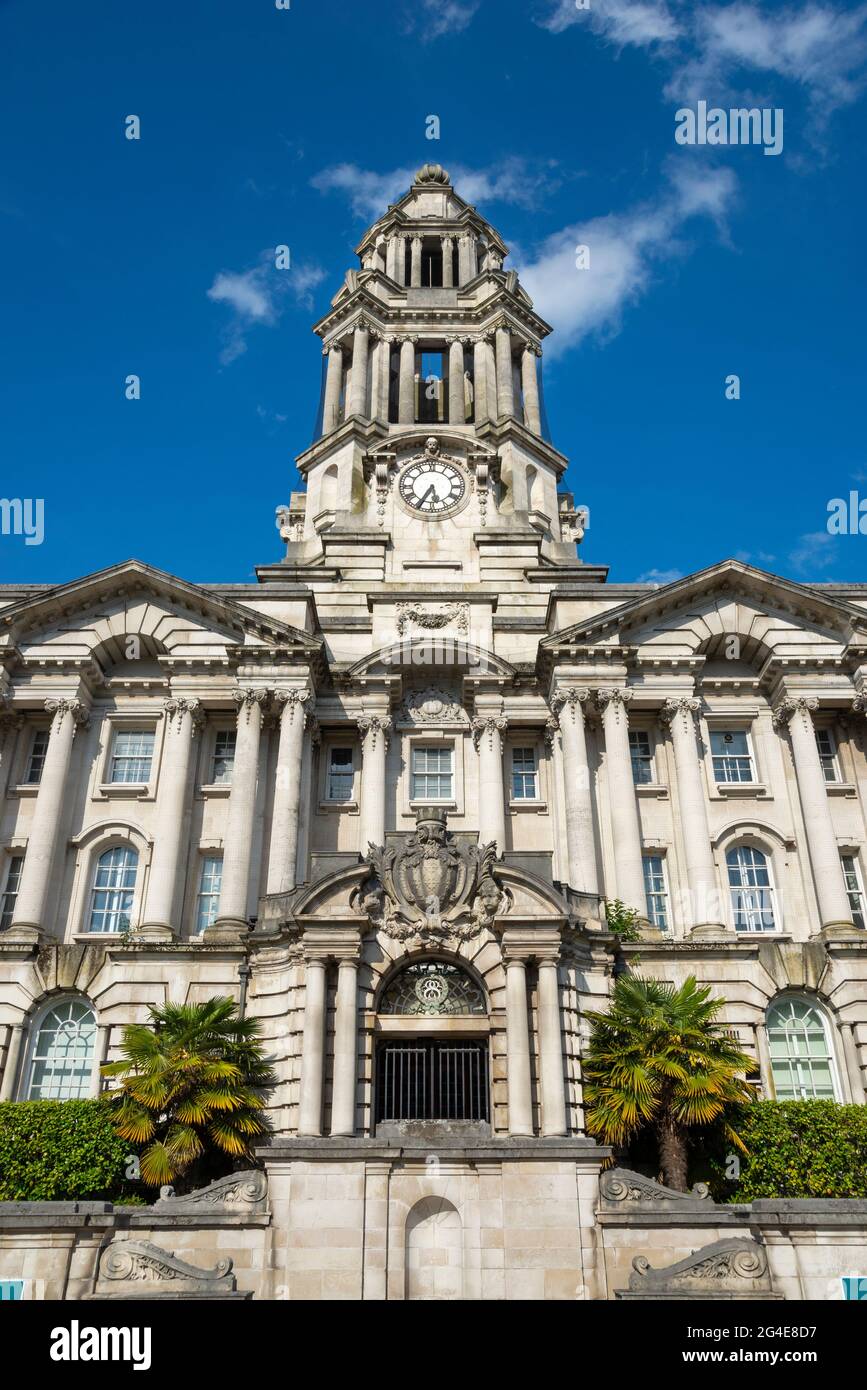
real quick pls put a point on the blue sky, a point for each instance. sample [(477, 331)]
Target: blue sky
[(262, 126)]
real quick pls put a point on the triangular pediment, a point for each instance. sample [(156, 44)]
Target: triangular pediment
[(693, 615)]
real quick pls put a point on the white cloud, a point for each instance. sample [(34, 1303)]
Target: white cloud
[(432, 19), (259, 296), (814, 551), (622, 21), (624, 252), (658, 577), (513, 180)]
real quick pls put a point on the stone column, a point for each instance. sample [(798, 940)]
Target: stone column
[(379, 383), (480, 380), (625, 827), (530, 387), (518, 1048), (283, 853), (28, 917), (394, 247), (360, 354), (182, 718), (704, 912), (853, 1063), (333, 387), (505, 385), (231, 923), (551, 1049), (448, 263), (488, 733), (834, 909), (406, 398), (415, 262), (345, 1047), (313, 1049), (457, 412), (374, 732), (766, 1070), (472, 256), (568, 704), (13, 1055)]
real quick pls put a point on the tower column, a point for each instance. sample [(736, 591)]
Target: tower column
[(231, 922), (457, 411), (393, 248), (505, 385), (283, 852), (625, 827), (374, 730), (480, 380), (530, 387), (447, 243), (704, 906), (333, 387), (551, 1049), (488, 733), (345, 1046), (406, 397), (312, 1049), (28, 917), (518, 1047), (360, 353), (834, 907), (182, 717), (415, 263), (568, 705)]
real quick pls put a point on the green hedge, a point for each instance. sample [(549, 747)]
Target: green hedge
[(54, 1150), (797, 1148)]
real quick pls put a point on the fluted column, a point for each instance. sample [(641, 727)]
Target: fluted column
[(488, 733), (360, 354), (480, 381), (457, 410), (13, 1056), (551, 1049), (374, 731), (518, 1048), (472, 256), (704, 911), (345, 1047), (28, 918), (182, 718), (379, 383), (394, 249), (312, 1049), (448, 262), (505, 384), (568, 704), (238, 840), (415, 262), (530, 388), (406, 386), (625, 827), (853, 1063), (333, 387), (295, 706), (834, 908)]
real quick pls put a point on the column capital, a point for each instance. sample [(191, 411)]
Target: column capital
[(533, 348), (63, 704), (405, 338), (577, 697), (685, 705), (333, 346), (859, 704), (374, 724), (248, 698), (488, 724), (790, 705), (290, 699), (362, 325), (613, 695), (176, 706)]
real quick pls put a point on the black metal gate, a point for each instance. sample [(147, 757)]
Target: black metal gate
[(430, 1080)]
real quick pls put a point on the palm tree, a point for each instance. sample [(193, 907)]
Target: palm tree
[(192, 1088), (659, 1059)]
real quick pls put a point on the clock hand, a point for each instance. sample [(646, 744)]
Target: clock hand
[(431, 489)]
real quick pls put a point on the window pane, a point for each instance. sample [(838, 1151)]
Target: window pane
[(10, 891), (113, 890), (639, 748), (210, 882), (655, 891), (731, 755), (801, 1061), (827, 750), (432, 774), (132, 755), (224, 757), (524, 786), (36, 761), (340, 775), (751, 891), (63, 1056), (852, 879)]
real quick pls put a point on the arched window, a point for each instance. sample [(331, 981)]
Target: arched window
[(432, 988), (113, 890), (752, 892), (61, 1062), (802, 1060)]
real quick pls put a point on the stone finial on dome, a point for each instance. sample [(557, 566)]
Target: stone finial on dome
[(432, 173)]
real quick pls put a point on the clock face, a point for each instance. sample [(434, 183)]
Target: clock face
[(432, 487)]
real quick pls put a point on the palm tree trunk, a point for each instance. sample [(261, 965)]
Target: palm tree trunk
[(672, 1154)]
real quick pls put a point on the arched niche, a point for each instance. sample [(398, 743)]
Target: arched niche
[(434, 1253)]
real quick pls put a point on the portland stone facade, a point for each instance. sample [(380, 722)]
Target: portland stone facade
[(380, 797)]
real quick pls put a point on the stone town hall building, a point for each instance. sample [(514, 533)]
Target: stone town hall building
[(379, 795)]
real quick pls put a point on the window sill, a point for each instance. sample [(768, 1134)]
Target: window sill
[(755, 790), (652, 789), (417, 801), (841, 788), (124, 791), (350, 806), (528, 803), (24, 789), (215, 789)]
